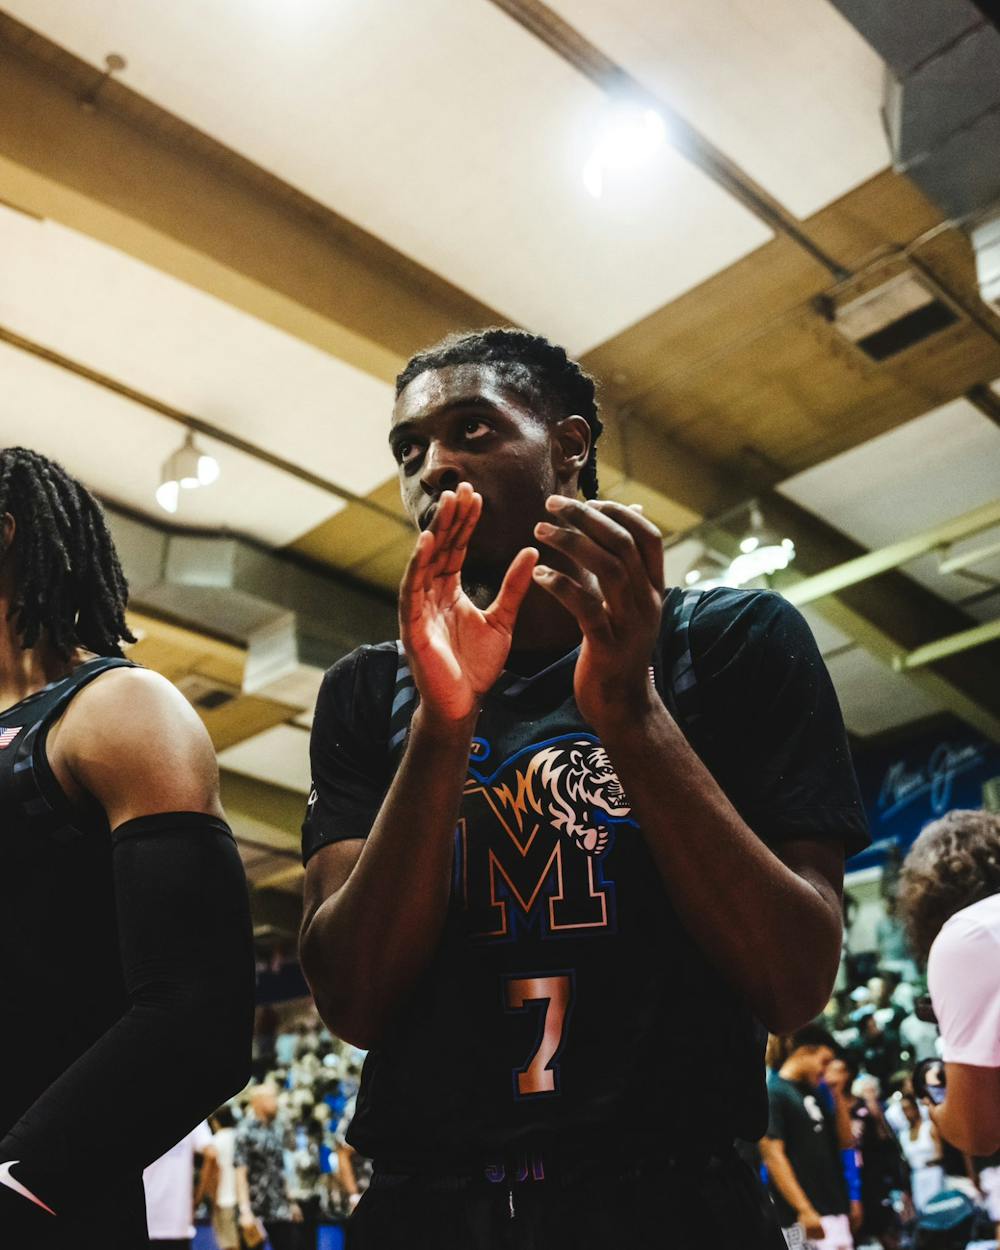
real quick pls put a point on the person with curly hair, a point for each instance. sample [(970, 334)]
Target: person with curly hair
[(949, 900), (557, 925)]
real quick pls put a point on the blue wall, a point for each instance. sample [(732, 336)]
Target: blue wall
[(909, 784)]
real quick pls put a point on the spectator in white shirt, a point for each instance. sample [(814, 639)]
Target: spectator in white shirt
[(224, 1222), (169, 1186), (950, 900)]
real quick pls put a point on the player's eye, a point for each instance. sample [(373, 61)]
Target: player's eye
[(475, 427), (406, 452)]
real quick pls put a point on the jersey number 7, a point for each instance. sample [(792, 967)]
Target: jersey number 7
[(552, 997)]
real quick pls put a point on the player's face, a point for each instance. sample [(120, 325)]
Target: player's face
[(462, 424), (818, 1062)]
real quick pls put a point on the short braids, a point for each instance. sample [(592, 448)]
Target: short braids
[(529, 363)]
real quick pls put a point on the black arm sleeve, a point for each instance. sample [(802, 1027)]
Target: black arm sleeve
[(784, 756), (348, 748), (181, 1048)]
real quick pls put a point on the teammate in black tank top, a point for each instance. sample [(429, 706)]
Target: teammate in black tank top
[(126, 962), (526, 891)]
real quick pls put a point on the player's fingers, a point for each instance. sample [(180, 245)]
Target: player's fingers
[(648, 537), (588, 609), (505, 607), (616, 577), (599, 528), (444, 557), (411, 588), (463, 533)]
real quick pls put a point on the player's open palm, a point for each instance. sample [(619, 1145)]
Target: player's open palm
[(456, 650)]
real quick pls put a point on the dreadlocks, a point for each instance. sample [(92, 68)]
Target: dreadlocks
[(70, 584), (533, 366)]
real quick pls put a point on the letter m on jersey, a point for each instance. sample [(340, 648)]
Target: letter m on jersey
[(531, 840)]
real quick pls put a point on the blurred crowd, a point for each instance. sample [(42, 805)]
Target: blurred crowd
[(272, 1163), (850, 1108)]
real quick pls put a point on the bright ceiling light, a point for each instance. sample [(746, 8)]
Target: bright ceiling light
[(629, 136), (762, 561), (762, 553), (187, 469), (167, 495)]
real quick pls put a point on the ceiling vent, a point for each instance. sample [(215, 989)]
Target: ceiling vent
[(204, 692), (890, 315)]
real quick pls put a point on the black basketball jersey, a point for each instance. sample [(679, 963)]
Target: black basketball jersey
[(566, 1001), (60, 969)]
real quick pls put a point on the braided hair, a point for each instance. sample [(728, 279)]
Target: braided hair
[(530, 364), (70, 584)]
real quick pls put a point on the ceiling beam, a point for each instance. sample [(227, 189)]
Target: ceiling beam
[(140, 179), (573, 47), (954, 643), (890, 614), (266, 815), (220, 223), (872, 563)]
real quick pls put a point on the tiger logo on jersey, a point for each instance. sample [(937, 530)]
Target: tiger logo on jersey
[(532, 837), (582, 790)]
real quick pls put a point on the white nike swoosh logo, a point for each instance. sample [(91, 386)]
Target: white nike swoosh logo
[(18, 1188)]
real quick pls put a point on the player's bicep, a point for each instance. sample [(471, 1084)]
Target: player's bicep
[(137, 745), (326, 872)]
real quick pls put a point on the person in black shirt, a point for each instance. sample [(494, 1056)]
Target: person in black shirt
[(536, 899), (803, 1144), (126, 956)]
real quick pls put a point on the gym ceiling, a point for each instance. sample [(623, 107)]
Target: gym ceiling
[(245, 230)]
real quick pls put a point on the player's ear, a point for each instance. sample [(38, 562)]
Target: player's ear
[(570, 447)]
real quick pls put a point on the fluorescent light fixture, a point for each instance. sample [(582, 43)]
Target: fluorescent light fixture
[(630, 135), (187, 469)]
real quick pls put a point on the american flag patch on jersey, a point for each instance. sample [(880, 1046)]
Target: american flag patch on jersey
[(7, 736)]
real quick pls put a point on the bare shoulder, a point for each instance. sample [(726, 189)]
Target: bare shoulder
[(133, 741), (132, 691)]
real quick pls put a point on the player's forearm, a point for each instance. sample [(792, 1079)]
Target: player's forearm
[(366, 945), (767, 929), (783, 1176), (187, 959)]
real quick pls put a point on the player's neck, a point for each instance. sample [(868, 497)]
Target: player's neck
[(24, 672), (543, 624)]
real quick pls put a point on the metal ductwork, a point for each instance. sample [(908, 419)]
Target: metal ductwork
[(294, 620), (942, 109)]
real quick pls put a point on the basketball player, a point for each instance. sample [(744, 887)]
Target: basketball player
[(126, 960), (557, 925)]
